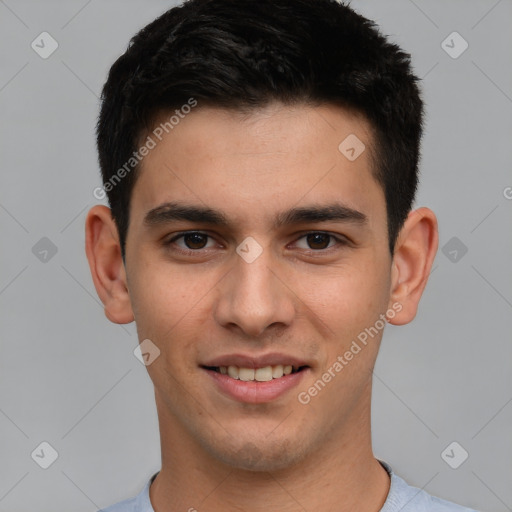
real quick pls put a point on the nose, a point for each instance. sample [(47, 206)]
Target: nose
[(255, 297)]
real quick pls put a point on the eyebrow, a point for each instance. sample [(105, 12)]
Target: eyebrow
[(174, 211)]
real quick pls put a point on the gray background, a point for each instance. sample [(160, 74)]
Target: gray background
[(69, 377)]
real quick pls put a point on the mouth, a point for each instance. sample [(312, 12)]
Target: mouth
[(256, 380), (262, 374)]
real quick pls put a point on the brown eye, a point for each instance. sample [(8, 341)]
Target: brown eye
[(195, 240), (318, 240), (191, 243)]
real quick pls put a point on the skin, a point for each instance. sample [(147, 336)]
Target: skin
[(307, 301)]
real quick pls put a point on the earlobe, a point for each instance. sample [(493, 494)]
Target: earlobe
[(107, 268), (415, 251)]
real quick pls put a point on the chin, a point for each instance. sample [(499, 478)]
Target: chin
[(261, 457)]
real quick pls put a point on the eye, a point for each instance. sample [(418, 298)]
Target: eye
[(191, 241), (318, 241)]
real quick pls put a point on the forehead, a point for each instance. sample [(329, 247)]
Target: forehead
[(252, 165)]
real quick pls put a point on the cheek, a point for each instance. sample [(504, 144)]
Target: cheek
[(168, 305), (348, 299), (349, 303), (169, 311)]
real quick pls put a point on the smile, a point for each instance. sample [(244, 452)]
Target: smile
[(256, 385), (265, 374)]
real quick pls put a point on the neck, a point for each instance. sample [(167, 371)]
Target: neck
[(341, 475)]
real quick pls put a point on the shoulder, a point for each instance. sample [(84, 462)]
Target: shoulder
[(406, 498), (123, 506), (139, 503)]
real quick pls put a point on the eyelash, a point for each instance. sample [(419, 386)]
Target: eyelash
[(339, 242)]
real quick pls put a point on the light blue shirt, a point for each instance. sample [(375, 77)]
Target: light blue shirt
[(401, 498)]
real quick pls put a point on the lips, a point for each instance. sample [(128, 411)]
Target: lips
[(261, 369), (255, 379)]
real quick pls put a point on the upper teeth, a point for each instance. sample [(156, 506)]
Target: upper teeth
[(260, 374)]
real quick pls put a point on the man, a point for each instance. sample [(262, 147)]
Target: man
[(260, 160)]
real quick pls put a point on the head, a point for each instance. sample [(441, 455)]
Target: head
[(236, 120), (245, 55)]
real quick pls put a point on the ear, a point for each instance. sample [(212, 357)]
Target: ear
[(415, 251), (106, 263)]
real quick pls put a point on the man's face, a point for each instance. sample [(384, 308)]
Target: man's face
[(298, 292)]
